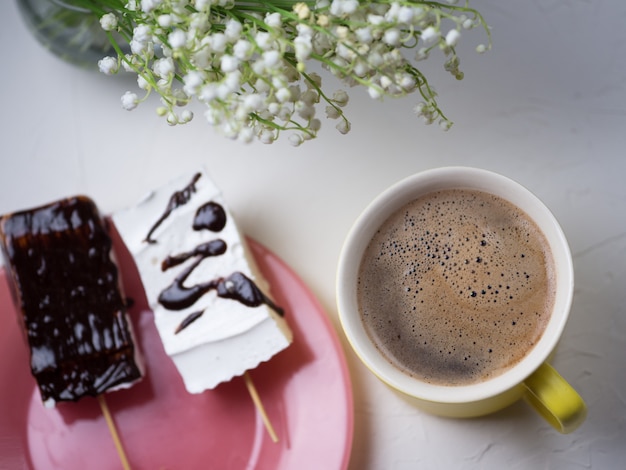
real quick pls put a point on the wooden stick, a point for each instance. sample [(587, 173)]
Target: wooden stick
[(113, 430), (259, 406)]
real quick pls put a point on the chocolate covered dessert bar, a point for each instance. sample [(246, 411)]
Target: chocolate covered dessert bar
[(66, 289)]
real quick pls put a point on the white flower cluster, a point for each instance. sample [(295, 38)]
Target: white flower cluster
[(246, 61)]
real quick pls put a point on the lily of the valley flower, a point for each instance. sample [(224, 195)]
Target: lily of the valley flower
[(248, 61)]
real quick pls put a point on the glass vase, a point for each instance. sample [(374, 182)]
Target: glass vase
[(67, 30)]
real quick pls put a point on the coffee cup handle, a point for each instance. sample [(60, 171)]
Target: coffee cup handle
[(555, 399)]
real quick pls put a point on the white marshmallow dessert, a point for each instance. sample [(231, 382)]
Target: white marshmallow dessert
[(212, 307)]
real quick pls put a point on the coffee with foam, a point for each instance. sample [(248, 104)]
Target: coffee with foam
[(456, 287)]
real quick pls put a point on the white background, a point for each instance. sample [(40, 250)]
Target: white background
[(547, 107)]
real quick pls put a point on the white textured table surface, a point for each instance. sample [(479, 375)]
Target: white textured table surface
[(547, 106)]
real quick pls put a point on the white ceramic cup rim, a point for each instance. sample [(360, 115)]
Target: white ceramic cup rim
[(409, 189)]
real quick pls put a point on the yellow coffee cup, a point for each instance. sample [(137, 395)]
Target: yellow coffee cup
[(532, 378)]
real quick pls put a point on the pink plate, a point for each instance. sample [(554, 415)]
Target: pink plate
[(305, 389)]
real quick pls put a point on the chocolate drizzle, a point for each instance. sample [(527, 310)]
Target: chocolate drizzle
[(212, 248), (188, 320), (179, 198), (178, 297), (237, 286), (210, 216), (241, 288)]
